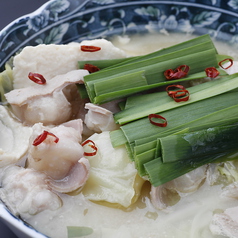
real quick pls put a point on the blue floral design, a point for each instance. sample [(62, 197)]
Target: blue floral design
[(103, 1), (38, 22), (62, 21), (205, 18), (214, 2), (233, 4), (57, 7), (172, 22)]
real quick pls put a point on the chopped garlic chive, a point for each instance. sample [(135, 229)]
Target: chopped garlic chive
[(186, 114), (101, 64), (199, 143), (158, 104), (120, 83), (198, 56)]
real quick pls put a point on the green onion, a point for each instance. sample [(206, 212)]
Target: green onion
[(154, 149), (142, 159), (101, 64), (198, 56), (177, 47), (160, 102), (160, 173), (147, 152), (177, 117), (153, 72), (136, 100), (219, 143), (210, 141), (78, 231), (118, 138), (121, 83), (211, 119), (141, 155), (82, 91), (208, 114), (147, 148)]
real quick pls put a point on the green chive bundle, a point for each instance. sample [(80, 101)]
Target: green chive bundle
[(119, 81), (209, 117)]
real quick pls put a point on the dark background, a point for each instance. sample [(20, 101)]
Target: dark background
[(9, 11), (12, 9)]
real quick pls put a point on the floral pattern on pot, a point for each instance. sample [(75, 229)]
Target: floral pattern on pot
[(62, 21)]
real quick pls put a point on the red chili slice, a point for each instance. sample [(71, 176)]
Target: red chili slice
[(170, 91), (221, 63), (212, 72), (181, 95), (178, 73), (185, 68), (90, 48), (169, 74), (152, 116), (91, 68), (92, 145), (43, 136), (37, 78)]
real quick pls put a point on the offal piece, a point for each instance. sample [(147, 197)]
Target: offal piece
[(99, 119), (45, 103), (165, 196), (51, 60), (75, 180), (14, 138), (59, 155), (25, 191), (225, 223)]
